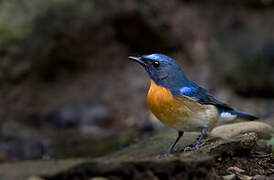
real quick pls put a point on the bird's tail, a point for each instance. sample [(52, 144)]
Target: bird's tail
[(244, 115)]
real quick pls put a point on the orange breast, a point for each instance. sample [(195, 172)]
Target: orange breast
[(163, 105)]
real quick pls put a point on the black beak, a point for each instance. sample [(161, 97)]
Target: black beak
[(138, 59)]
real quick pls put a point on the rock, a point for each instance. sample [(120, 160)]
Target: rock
[(91, 129), (31, 169), (235, 170), (263, 130), (259, 177), (65, 117), (142, 161), (98, 178), (95, 115), (229, 177), (35, 178), (29, 147), (143, 158)]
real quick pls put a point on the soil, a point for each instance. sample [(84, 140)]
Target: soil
[(253, 163)]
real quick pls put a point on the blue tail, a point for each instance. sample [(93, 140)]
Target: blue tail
[(244, 115)]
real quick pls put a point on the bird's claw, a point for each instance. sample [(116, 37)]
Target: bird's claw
[(193, 148)]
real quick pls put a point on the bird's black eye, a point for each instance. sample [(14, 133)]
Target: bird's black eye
[(156, 64)]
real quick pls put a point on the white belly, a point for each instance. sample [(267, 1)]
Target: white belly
[(205, 118)]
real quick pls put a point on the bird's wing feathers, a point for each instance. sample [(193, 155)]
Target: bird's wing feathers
[(203, 97)]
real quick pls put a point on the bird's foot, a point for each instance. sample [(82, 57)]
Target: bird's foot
[(195, 147), (170, 152)]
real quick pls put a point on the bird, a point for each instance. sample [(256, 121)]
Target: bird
[(181, 104)]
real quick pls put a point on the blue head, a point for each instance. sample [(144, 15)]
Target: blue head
[(164, 71)]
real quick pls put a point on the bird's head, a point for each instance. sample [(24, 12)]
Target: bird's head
[(161, 69)]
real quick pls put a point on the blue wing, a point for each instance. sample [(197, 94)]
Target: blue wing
[(188, 91), (202, 96)]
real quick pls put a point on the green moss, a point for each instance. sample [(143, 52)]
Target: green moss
[(13, 34), (17, 19), (267, 2)]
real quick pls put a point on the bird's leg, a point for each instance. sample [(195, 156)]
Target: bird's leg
[(171, 148), (199, 142)]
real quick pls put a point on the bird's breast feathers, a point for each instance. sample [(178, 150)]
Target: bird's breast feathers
[(182, 113)]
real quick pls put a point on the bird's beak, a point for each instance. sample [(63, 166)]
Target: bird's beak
[(138, 60)]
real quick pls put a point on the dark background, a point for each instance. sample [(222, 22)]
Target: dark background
[(67, 88)]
